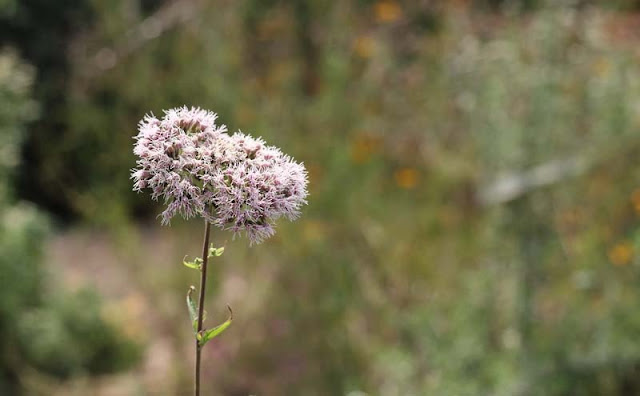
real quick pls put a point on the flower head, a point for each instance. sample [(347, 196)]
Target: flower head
[(236, 181)]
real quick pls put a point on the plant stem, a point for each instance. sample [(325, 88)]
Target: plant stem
[(203, 284)]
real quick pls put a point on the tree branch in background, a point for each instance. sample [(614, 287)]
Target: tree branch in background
[(170, 15), (515, 185)]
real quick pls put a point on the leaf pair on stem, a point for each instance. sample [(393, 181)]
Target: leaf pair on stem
[(204, 335), (197, 262)]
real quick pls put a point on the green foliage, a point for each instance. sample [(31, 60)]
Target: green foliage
[(59, 335), (207, 335), (215, 252), (21, 224), (195, 264), (18, 108), (40, 31), (69, 336), (193, 309), (412, 271)]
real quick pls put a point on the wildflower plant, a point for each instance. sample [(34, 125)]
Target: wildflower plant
[(235, 182)]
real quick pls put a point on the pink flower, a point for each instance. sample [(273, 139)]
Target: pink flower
[(236, 182)]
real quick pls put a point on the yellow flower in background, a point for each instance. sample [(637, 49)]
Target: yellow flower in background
[(635, 200), (363, 147), (364, 46), (387, 11), (406, 178), (602, 67), (621, 254), (314, 231)]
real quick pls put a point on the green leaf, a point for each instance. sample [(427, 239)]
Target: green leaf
[(195, 264), (193, 311), (215, 251), (209, 334)]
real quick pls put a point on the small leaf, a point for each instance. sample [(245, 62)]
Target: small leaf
[(215, 251), (209, 334), (193, 311), (195, 264)]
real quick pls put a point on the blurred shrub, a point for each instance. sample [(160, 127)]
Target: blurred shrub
[(69, 336), (405, 280), (40, 31), (60, 335), (17, 109)]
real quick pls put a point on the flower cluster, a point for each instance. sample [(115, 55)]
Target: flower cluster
[(236, 181)]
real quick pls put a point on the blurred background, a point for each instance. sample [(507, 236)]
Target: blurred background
[(473, 225)]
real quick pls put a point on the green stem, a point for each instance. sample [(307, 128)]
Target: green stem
[(203, 283)]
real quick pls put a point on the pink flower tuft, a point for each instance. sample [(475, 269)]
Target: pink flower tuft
[(236, 181)]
